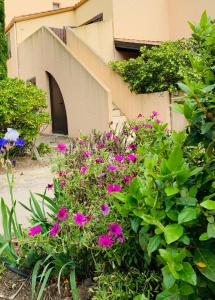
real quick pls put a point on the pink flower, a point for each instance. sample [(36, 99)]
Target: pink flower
[(86, 154), (100, 145), (121, 239), (83, 170), (62, 183), (132, 146), (135, 127), (108, 135), (54, 230), (50, 186), (80, 219), (113, 188), (111, 159), (155, 113), (62, 147), (99, 183), (115, 229), (81, 142), (99, 160), (158, 121), (102, 175), (62, 214), (112, 168), (35, 230), (119, 157), (149, 126), (105, 209), (127, 178), (116, 139), (105, 241), (131, 157)]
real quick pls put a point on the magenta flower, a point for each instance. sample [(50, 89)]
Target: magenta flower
[(149, 126), (54, 230), (102, 175), (127, 178), (50, 186), (116, 139), (132, 146), (158, 121), (86, 154), (100, 145), (80, 219), (63, 183), (35, 230), (121, 239), (155, 113), (105, 241), (115, 229), (108, 135), (62, 147), (99, 160), (131, 157), (135, 127), (83, 170), (62, 214), (119, 157), (113, 188), (81, 142), (112, 168), (105, 209)]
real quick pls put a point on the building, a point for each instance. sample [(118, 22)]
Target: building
[(65, 46)]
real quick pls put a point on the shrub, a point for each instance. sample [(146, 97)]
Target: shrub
[(22, 107), (3, 43)]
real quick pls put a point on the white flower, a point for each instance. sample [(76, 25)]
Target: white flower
[(12, 135)]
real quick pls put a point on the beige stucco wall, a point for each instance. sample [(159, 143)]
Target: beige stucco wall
[(141, 19), (182, 11), (16, 8), (99, 37), (87, 101), (12, 64)]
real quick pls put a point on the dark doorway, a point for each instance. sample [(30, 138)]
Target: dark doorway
[(58, 111)]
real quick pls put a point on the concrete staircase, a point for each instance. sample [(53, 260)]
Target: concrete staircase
[(118, 119)]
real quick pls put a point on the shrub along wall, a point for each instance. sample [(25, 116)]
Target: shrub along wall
[(3, 42)]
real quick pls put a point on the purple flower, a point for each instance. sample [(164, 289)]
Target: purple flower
[(135, 127), (127, 178), (81, 142), (108, 135), (50, 186), (115, 229), (105, 241), (62, 147), (99, 183), (99, 160), (113, 188), (105, 209), (121, 239), (116, 139), (119, 157), (83, 170), (148, 126), (20, 143), (3, 142), (80, 219), (86, 154), (158, 121), (11, 135), (131, 157), (102, 175), (155, 113), (14, 163), (54, 230), (112, 168), (35, 230), (111, 159), (100, 145), (62, 214), (63, 183), (132, 146)]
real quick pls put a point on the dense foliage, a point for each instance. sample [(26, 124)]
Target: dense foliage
[(3, 42), (133, 207), (22, 107)]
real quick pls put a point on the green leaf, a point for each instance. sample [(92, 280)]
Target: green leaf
[(175, 160), (208, 258), (153, 244), (185, 88), (135, 223), (173, 232), (34, 278), (168, 278), (73, 285), (43, 285), (188, 274), (211, 230), (168, 295), (178, 108), (120, 196), (204, 237), (171, 190), (186, 201), (208, 204), (140, 297), (206, 127), (187, 214)]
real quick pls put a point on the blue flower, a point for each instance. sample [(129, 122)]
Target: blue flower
[(20, 142), (3, 142)]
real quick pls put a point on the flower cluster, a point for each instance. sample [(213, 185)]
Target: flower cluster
[(114, 234), (10, 140)]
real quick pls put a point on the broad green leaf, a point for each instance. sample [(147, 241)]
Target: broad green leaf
[(153, 244), (206, 257), (211, 230), (188, 274), (120, 196), (208, 204), (175, 160), (188, 214), (168, 295), (173, 232), (136, 188), (171, 190), (140, 297), (185, 88), (206, 127), (186, 289), (168, 278), (204, 237), (186, 201), (178, 108), (135, 223)]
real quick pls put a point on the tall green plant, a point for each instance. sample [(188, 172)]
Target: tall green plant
[(3, 42)]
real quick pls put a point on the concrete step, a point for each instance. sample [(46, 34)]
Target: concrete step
[(116, 113)]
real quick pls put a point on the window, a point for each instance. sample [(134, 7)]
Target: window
[(56, 5), (9, 45)]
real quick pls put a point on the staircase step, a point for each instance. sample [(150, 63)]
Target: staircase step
[(116, 113)]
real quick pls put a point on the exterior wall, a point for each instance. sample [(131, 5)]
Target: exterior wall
[(12, 63), (87, 101), (99, 37), (129, 103), (16, 8), (141, 19), (182, 11)]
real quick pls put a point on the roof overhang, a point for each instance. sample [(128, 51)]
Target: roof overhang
[(130, 44)]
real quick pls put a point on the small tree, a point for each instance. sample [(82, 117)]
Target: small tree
[(3, 42)]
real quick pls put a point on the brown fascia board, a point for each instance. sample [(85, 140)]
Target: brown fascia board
[(44, 14)]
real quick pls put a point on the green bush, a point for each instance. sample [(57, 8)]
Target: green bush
[(22, 107), (3, 43)]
